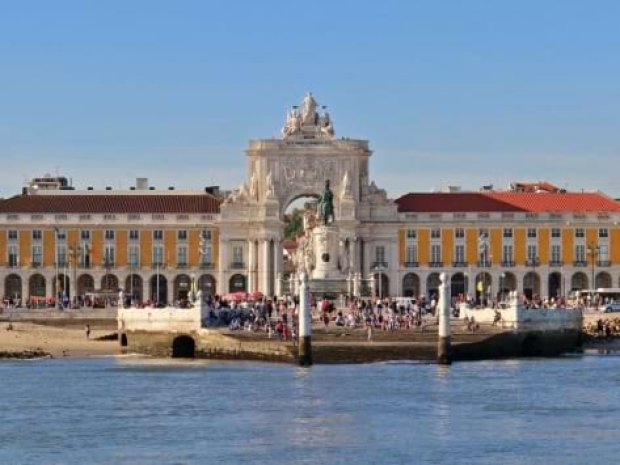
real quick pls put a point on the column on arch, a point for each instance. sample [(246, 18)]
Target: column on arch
[(251, 256), (277, 266), (265, 245)]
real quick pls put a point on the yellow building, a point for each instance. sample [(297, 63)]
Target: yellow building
[(544, 242)]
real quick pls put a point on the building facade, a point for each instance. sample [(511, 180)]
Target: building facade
[(154, 244)]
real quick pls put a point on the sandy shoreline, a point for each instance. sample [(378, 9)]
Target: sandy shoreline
[(57, 341)]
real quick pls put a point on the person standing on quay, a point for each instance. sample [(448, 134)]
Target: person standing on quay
[(87, 330)]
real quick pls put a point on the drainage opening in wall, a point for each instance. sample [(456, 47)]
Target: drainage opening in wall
[(183, 347)]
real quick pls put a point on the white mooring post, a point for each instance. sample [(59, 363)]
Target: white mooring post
[(305, 322), (443, 347)]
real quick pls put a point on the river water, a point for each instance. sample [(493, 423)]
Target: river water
[(142, 411)]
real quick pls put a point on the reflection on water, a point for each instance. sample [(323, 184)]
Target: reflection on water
[(137, 410)]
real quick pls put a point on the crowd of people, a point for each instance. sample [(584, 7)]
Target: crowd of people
[(277, 317), (604, 328)]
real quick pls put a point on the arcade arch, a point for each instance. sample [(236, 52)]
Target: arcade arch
[(237, 283), (411, 285), (579, 281), (531, 285), (382, 285), (554, 286), (85, 284), (484, 285), (134, 286), (182, 286), (36, 285), (603, 279), (61, 286), (432, 285), (207, 284), (158, 289), (109, 283), (458, 285)]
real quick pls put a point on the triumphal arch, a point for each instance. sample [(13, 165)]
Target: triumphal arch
[(281, 170)]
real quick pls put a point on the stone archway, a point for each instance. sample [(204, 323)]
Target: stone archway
[(182, 286), (484, 286), (382, 285), (158, 289), (531, 285), (509, 282), (134, 287), (13, 286), (207, 284), (555, 286), (85, 284), (61, 286), (237, 283), (579, 281), (109, 283), (458, 285), (432, 285), (281, 170), (36, 285), (411, 285), (183, 346), (603, 279)]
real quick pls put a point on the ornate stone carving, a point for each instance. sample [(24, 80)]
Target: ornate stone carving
[(307, 171), (306, 122), (238, 195), (254, 186), (270, 189), (309, 114), (377, 196), (345, 185)]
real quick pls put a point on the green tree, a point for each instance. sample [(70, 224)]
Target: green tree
[(295, 224)]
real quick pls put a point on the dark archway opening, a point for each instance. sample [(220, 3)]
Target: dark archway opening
[(555, 285), (237, 283), (411, 285), (183, 347), (458, 287), (159, 289), (13, 287), (123, 340), (382, 285), (432, 286)]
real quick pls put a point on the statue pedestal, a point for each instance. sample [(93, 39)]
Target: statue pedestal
[(325, 242)]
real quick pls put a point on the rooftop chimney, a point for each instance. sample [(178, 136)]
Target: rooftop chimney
[(142, 184)]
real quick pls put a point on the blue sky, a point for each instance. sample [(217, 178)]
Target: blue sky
[(448, 92)]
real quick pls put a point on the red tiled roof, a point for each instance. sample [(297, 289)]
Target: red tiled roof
[(130, 203), (460, 202)]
